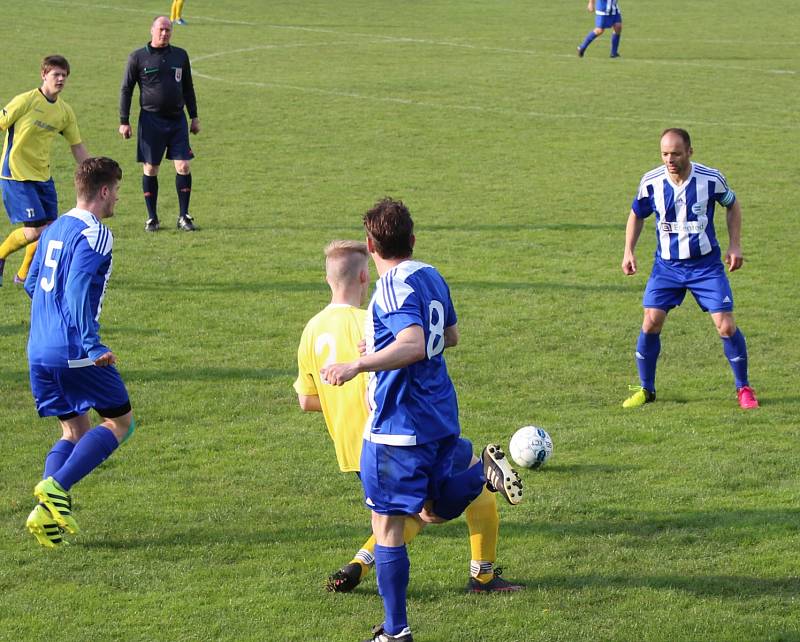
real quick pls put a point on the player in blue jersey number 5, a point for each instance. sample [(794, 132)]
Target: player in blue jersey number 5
[(71, 371), (682, 195)]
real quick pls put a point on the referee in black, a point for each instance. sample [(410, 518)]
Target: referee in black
[(165, 89)]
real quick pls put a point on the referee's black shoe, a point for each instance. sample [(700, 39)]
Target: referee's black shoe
[(186, 223)]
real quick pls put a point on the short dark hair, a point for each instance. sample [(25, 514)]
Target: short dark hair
[(682, 133), (391, 229), (94, 173), (49, 62)]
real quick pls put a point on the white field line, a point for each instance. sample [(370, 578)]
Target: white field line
[(478, 108), (439, 43)]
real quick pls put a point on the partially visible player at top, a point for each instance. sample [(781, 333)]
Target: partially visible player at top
[(164, 76), (683, 194), (176, 12), (412, 433), (607, 15), (71, 370), (335, 334), (31, 122)]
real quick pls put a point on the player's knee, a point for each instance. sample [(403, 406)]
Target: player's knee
[(183, 167), (653, 321), (726, 326), (149, 169), (598, 31)]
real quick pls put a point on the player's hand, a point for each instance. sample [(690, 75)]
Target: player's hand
[(339, 374), (125, 131), (194, 126), (362, 347), (733, 258), (590, 6), (107, 359), (629, 264)]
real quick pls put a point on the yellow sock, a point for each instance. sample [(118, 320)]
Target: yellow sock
[(484, 527), (13, 242), (30, 250), (366, 554), (177, 9)]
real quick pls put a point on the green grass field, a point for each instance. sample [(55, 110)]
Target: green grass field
[(222, 517)]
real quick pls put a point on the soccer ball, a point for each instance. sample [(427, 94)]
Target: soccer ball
[(530, 447)]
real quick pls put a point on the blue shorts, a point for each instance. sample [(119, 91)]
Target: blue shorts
[(68, 392), (398, 480), (668, 282), (30, 202), (606, 22), (157, 134)]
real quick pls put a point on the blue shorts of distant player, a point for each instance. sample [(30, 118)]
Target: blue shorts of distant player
[(606, 22), (69, 392), (707, 281), (31, 203), (158, 134)]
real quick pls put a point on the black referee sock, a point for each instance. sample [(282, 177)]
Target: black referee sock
[(150, 189), (183, 185)]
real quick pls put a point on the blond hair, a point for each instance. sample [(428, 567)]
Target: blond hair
[(344, 261)]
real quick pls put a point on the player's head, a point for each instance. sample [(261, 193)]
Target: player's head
[(676, 150), (97, 185), (347, 266), (390, 229), (160, 31), (55, 71)]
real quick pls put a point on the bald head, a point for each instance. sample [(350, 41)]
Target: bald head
[(160, 31)]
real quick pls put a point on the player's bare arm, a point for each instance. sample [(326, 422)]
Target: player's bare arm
[(451, 336), (633, 230), (407, 348), (79, 152), (309, 403), (733, 257)]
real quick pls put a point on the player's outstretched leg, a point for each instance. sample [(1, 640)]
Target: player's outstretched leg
[(58, 501), (44, 527), (500, 476)]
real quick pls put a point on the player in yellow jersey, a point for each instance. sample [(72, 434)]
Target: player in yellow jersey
[(175, 13), (334, 335), (31, 122)]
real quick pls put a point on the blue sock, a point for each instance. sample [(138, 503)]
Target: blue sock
[(91, 450), (588, 40), (458, 492), (183, 185), (58, 454), (615, 43), (391, 567), (150, 189), (648, 348), (736, 351)]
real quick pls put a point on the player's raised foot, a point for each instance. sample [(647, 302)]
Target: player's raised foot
[(747, 398), (500, 476), (152, 225), (640, 397), (495, 585), (43, 527), (58, 502), (345, 579), (186, 223), (580, 52), (379, 635)]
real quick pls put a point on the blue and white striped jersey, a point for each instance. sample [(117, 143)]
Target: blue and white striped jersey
[(684, 213), (67, 282), (416, 404), (606, 8)]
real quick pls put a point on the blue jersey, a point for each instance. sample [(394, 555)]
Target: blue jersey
[(416, 404), (606, 8), (684, 213), (67, 282)]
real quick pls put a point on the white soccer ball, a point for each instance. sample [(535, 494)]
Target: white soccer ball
[(530, 447)]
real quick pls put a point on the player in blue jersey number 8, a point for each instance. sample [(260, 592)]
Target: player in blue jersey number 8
[(682, 195)]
